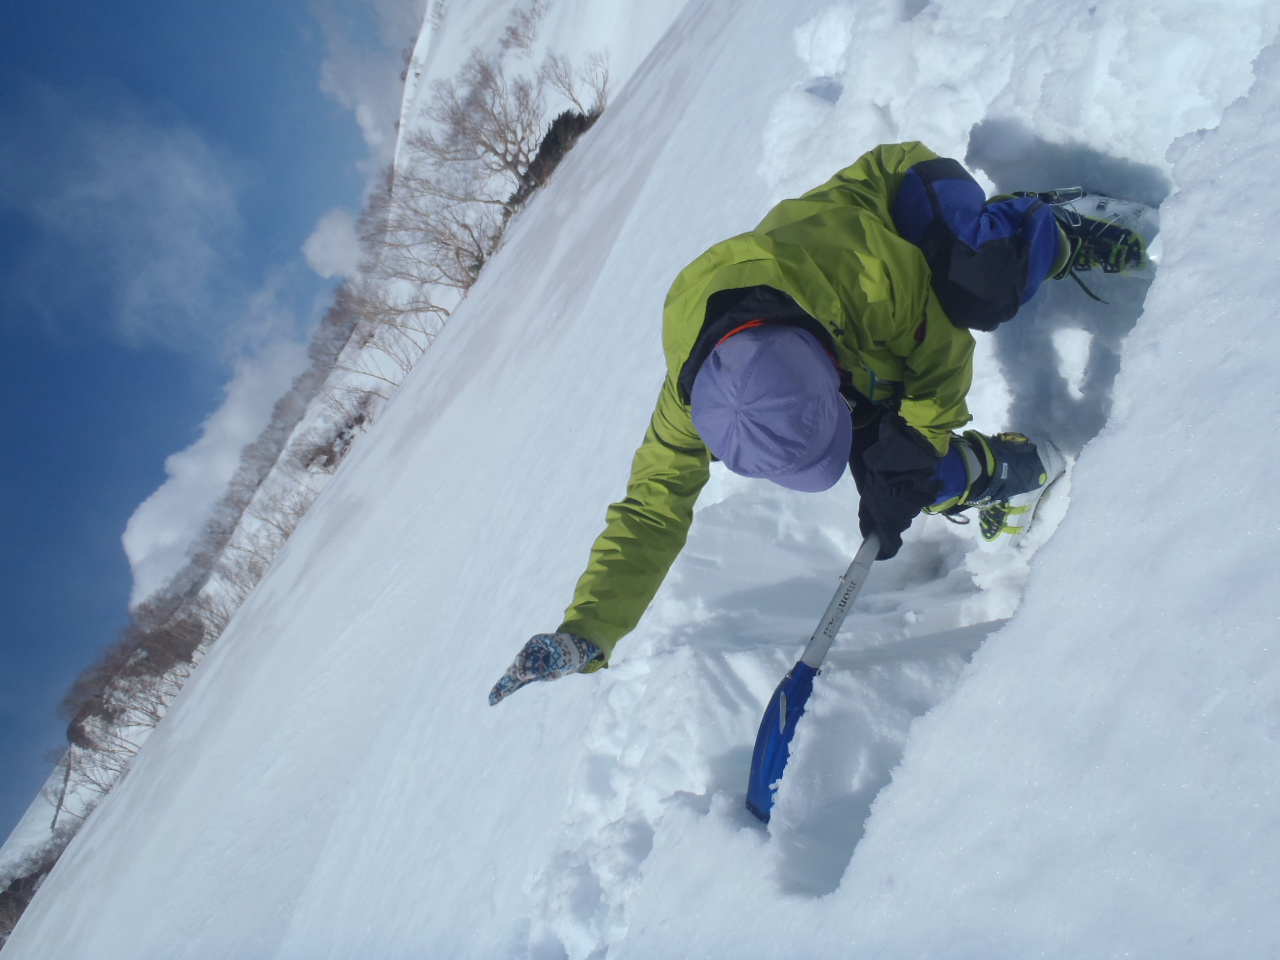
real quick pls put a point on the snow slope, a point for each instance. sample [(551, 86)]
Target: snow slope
[(1073, 757)]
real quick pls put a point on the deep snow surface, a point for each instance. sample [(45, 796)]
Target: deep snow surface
[(1076, 757)]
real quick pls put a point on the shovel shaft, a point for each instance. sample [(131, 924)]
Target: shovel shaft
[(850, 584)]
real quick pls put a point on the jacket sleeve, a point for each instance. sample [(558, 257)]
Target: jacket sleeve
[(937, 377), (645, 531)]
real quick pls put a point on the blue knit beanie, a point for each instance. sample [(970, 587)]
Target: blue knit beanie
[(767, 403)]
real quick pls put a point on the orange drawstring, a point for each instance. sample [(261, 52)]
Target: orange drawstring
[(746, 326)]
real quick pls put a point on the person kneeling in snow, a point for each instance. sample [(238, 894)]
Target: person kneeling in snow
[(834, 334)]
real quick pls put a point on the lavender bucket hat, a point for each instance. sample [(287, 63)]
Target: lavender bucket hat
[(767, 403)]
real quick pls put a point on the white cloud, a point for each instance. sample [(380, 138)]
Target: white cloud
[(162, 530), (367, 40), (136, 221), (268, 316), (333, 249), (137, 225)]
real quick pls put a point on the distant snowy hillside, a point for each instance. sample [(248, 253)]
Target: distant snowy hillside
[(1066, 749)]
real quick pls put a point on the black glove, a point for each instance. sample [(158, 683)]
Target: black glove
[(897, 478), (547, 656)]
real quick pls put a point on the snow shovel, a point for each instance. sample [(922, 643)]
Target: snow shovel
[(786, 706)]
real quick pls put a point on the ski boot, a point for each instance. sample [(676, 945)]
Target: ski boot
[(1101, 233), (1007, 475)]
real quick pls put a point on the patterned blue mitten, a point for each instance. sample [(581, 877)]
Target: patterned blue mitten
[(547, 656)]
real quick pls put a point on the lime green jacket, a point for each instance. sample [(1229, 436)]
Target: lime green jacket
[(834, 251)]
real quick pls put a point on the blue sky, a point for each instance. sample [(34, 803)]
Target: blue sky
[(162, 166)]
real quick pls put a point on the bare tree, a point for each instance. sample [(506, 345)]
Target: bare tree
[(483, 120), (353, 405), (523, 25), (587, 88), (439, 11), (20, 883), (214, 610)]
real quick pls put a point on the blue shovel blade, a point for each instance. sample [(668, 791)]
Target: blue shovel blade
[(769, 758)]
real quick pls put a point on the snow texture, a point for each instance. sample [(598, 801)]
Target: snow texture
[(1076, 756)]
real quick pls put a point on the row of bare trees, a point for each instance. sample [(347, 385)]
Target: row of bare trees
[(482, 148)]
